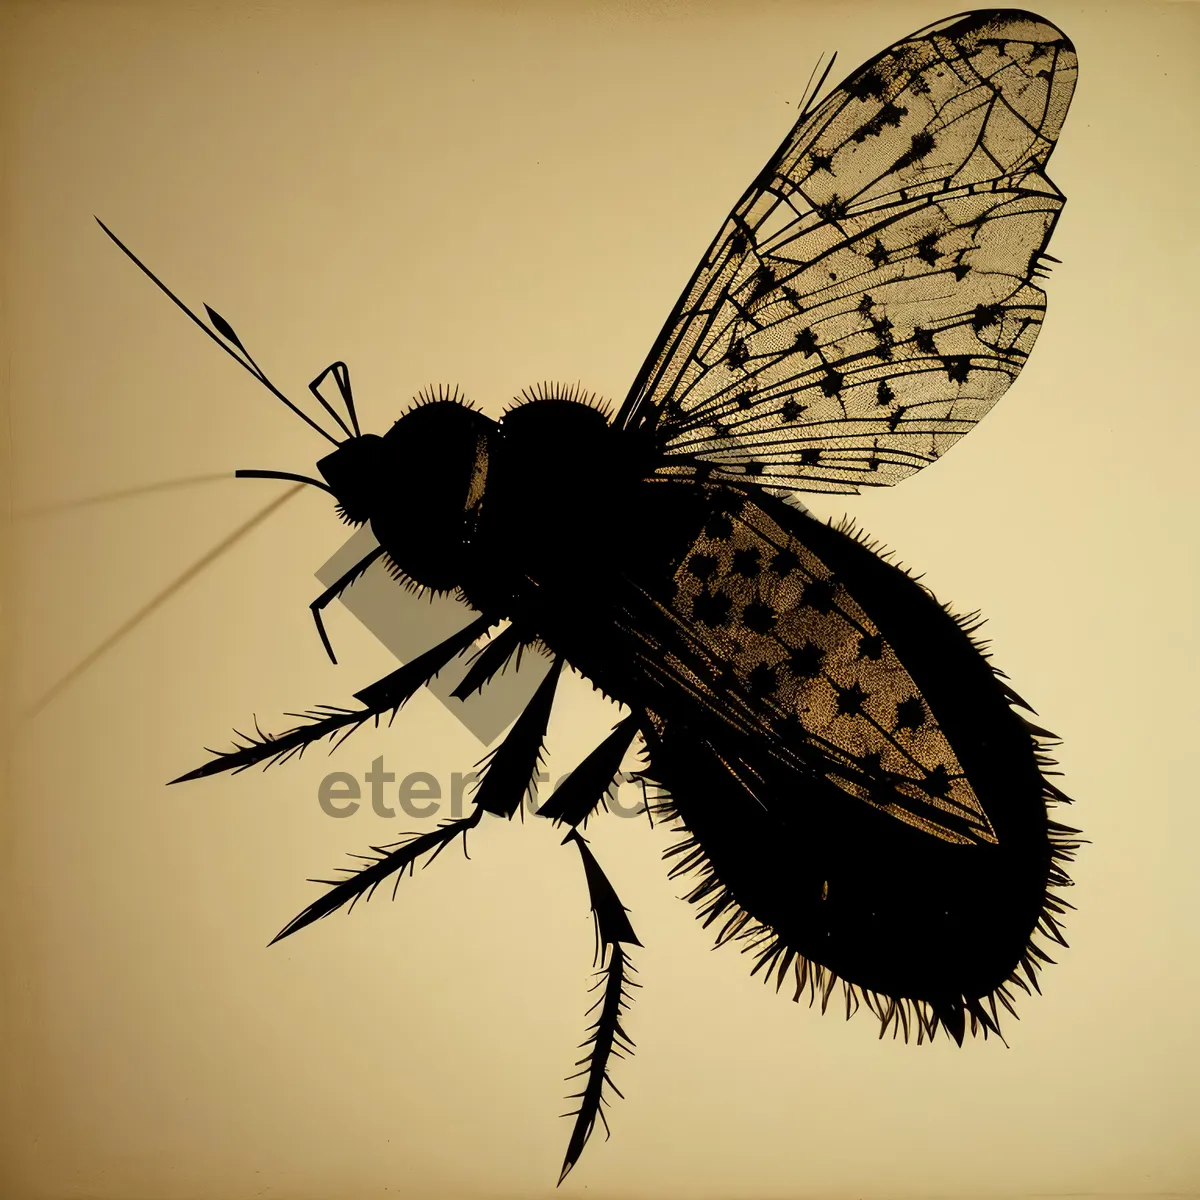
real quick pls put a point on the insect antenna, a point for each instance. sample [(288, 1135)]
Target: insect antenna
[(221, 332), (244, 474), (341, 376)]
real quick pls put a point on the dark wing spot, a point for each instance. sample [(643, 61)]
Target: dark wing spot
[(759, 617), (747, 562), (884, 393), (744, 398), (865, 304), (792, 410), (738, 354), (819, 593), (888, 115), (918, 86), (924, 340), (910, 713), (784, 563), (701, 566), (958, 367), (834, 209), (877, 254), (896, 417), (937, 781), (927, 249), (739, 243), (805, 661), (793, 297), (882, 329), (961, 270), (831, 384), (922, 144), (850, 699), (870, 645), (810, 457), (806, 342), (985, 316), (822, 162), (754, 468), (868, 84), (764, 281), (711, 608)]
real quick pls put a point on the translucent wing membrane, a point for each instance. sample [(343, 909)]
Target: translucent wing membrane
[(812, 657), (763, 634), (872, 295)]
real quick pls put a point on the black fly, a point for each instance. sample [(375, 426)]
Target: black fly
[(860, 799)]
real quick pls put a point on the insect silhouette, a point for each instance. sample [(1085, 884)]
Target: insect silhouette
[(860, 799)]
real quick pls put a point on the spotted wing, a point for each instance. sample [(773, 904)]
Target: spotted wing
[(765, 638), (872, 295)]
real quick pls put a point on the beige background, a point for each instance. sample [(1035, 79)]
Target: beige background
[(493, 195)]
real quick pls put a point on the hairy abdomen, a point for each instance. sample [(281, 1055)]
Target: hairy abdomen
[(857, 786)]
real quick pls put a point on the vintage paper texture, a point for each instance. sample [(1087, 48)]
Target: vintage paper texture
[(492, 195)]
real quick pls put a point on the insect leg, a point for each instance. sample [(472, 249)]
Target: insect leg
[(491, 660), (582, 792), (388, 693), (513, 763), (334, 590), (606, 1036), (388, 860), (510, 768)]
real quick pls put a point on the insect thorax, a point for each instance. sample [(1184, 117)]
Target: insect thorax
[(461, 501), (560, 482)]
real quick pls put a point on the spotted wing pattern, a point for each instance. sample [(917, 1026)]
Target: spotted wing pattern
[(792, 655), (872, 295)]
